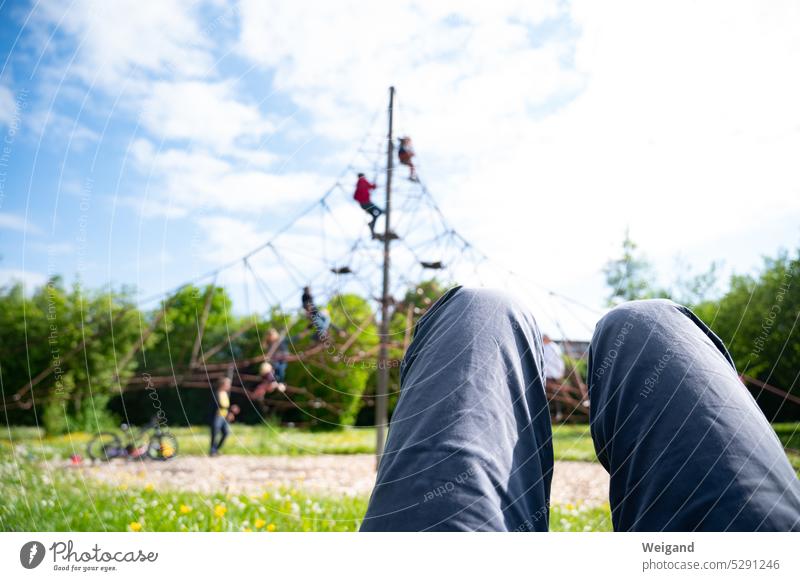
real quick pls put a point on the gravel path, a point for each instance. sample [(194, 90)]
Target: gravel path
[(327, 474)]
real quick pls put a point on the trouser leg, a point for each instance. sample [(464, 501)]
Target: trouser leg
[(373, 211), (685, 444), (469, 445), (280, 370), (224, 430), (214, 434)]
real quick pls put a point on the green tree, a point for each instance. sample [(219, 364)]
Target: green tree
[(77, 334), (629, 276), (174, 339), (334, 381), (759, 321)]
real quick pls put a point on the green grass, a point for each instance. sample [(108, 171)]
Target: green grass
[(55, 499), (264, 440), (570, 442), (37, 499), (573, 442), (580, 518), (789, 435)]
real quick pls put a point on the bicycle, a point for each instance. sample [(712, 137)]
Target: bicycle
[(161, 445)]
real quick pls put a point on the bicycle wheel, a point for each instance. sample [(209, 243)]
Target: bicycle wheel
[(104, 446), (163, 446)]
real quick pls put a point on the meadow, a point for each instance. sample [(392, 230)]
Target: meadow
[(41, 495)]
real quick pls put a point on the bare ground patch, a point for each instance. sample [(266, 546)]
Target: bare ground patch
[(333, 474)]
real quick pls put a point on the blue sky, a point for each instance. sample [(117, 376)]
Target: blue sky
[(147, 143)]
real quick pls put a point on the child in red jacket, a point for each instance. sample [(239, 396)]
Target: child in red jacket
[(362, 196)]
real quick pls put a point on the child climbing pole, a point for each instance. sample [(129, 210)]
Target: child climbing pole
[(362, 196), (319, 320), (405, 152)]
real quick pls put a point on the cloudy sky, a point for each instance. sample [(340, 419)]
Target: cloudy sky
[(148, 142)]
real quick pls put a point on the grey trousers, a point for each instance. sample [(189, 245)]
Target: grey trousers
[(470, 445)]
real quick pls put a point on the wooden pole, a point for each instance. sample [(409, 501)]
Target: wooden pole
[(201, 329), (381, 395)]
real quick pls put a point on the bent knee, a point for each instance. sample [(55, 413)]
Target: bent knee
[(479, 310), (631, 313), (469, 297)]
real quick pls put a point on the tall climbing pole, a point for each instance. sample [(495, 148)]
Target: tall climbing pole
[(382, 394)]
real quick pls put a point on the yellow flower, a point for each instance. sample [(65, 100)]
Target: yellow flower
[(260, 522), (219, 511), (149, 487), (248, 530), (185, 509), (271, 527), (135, 527), (123, 486)]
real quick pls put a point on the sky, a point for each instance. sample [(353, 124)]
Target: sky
[(147, 143)]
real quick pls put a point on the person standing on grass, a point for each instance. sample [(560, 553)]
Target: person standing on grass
[(224, 412)]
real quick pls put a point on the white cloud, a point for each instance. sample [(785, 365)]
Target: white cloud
[(204, 114), (54, 248), (129, 40), (18, 223), (466, 72), (28, 278), (196, 180)]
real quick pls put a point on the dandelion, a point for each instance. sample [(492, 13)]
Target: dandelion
[(123, 486), (149, 487), (220, 510), (135, 526), (247, 530), (271, 528), (185, 509), (260, 522)]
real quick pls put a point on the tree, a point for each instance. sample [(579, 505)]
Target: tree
[(629, 276), (334, 381), (759, 321), (691, 288), (174, 339), (79, 335)]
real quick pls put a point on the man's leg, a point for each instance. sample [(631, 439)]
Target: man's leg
[(685, 443), (224, 429), (213, 448), (469, 445)]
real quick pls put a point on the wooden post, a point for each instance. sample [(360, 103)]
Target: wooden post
[(381, 396), (198, 342)]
